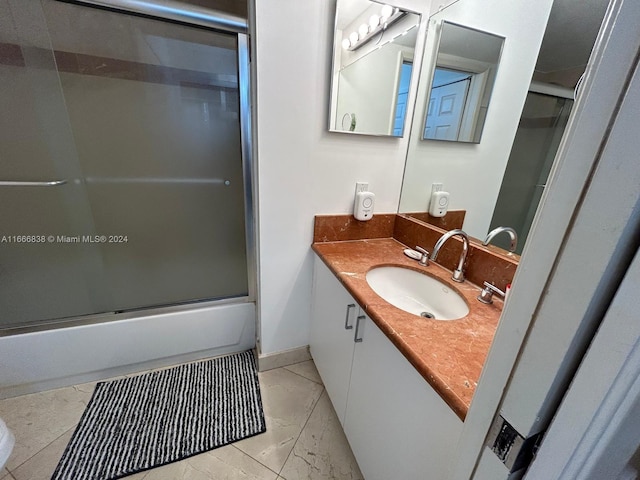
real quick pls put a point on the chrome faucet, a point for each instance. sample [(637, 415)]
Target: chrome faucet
[(458, 275), (512, 233)]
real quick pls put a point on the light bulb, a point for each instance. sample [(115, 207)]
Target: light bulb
[(374, 21), (346, 43), (363, 30), (354, 38), (386, 12)]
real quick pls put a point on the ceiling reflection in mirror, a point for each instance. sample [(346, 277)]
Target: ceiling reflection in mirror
[(461, 83), (373, 55)]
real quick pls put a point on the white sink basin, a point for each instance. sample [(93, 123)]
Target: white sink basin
[(417, 293)]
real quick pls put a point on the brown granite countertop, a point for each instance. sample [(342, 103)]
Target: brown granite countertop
[(448, 354)]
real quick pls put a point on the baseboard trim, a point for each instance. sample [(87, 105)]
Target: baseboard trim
[(283, 358)]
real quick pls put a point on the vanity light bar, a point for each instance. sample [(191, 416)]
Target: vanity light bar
[(389, 15)]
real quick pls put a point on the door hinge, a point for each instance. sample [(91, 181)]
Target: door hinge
[(515, 451)]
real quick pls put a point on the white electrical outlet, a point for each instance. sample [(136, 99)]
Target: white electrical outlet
[(436, 187), (439, 204), (362, 187), (363, 202), (363, 206)]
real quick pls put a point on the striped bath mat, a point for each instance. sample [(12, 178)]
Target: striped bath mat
[(137, 423)]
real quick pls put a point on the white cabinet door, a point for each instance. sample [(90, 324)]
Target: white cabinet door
[(397, 425), (330, 343)]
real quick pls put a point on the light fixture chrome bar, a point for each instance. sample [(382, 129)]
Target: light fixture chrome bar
[(11, 183), (176, 11), (377, 30)]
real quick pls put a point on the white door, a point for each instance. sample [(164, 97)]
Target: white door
[(581, 243), (331, 336), (446, 107), (397, 425), (403, 95), (596, 432)]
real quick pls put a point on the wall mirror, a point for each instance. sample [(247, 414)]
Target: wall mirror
[(500, 181), (462, 80), (373, 51)]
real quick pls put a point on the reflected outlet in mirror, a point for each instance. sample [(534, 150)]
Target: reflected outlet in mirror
[(373, 57)]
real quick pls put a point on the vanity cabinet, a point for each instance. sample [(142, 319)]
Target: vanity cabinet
[(396, 424), (332, 327)]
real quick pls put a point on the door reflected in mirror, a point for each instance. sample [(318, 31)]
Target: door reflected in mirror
[(461, 83), (373, 52)]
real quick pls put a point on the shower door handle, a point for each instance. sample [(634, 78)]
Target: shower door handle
[(53, 183)]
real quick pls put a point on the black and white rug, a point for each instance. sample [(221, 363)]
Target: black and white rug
[(137, 423)]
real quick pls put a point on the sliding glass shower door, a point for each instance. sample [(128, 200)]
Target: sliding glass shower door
[(39, 199), (542, 124), (121, 175)]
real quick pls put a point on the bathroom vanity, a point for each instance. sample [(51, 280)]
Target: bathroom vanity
[(396, 424), (401, 384)]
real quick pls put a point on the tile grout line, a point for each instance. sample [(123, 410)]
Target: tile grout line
[(252, 458), (9, 476), (39, 451), (294, 443), (306, 378), (298, 437), (315, 405)]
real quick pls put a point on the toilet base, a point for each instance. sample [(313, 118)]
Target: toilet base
[(7, 441)]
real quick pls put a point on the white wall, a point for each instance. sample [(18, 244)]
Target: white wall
[(368, 89), (303, 169), (473, 173)]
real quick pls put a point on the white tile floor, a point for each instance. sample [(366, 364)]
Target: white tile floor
[(303, 440)]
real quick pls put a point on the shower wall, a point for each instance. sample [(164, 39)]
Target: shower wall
[(540, 130)]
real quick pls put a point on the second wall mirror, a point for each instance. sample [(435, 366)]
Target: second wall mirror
[(461, 83)]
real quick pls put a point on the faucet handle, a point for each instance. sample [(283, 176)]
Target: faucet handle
[(486, 296), (424, 260)]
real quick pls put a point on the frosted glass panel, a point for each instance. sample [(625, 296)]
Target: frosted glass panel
[(155, 114), (141, 118), (40, 279)]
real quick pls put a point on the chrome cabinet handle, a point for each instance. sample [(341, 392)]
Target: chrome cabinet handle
[(346, 319), (53, 183), (355, 336)]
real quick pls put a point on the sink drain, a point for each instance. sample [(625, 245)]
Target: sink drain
[(427, 315)]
